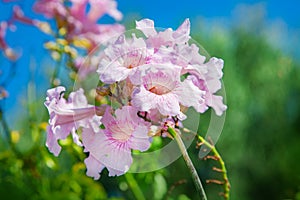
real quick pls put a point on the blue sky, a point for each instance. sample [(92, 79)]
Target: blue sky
[(165, 13)]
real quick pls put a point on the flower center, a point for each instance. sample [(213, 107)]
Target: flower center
[(130, 66), (121, 131), (134, 59), (159, 89)]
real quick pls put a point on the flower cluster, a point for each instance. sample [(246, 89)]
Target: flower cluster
[(148, 81), (155, 66), (80, 25), (76, 32)]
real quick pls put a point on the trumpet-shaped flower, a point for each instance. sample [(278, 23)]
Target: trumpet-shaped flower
[(67, 115), (111, 147), (162, 88), (123, 59), (80, 18), (85, 24)]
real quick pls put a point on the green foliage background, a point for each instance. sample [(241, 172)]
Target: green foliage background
[(260, 142)]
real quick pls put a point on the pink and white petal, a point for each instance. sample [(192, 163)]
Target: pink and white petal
[(77, 99), (100, 7), (215, 66), (146, 26), (140, 139), (93, 166), (55, 93), (95, 123), (52, 143), (113, 72), (114, 155), (88, 138), (143, 100), (182, 34), (127, 113), (118, 160), (214, 74), (168, 104), (162, 38), (107, 118), (189, 94), (217, 104), (213, 85), (76, 138)]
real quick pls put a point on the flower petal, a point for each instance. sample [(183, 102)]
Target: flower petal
[(146, 26), (94, 167), (52, 143), (140, 139), (190, 95)]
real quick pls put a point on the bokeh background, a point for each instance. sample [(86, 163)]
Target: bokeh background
[(260, 143)]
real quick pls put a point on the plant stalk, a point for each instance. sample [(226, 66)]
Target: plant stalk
[(189, 163), (136, 190)]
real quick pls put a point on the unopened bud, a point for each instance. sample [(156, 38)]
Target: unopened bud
[(10, 54), (56, 82), (62, 31), (82, 43), (44, 27), (51, 46)]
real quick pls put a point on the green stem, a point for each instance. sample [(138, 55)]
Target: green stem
[(226, 184), (136, 190), (188, 162)]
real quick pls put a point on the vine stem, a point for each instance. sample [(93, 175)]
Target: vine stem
[(136, 190), (226, 184), (222, 164), (188, 161)]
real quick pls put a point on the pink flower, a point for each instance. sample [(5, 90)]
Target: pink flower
[(50, 8), (98, 8), (123, 58), (111, 147), (162, 88), (82, 24), (66, 116)]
